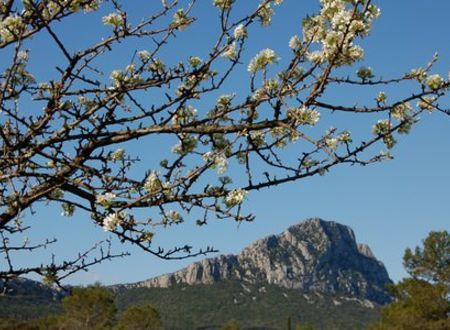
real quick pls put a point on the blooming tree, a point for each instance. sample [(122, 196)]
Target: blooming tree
[(65, 141)]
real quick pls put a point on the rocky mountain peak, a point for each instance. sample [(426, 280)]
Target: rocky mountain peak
[(312, 256)]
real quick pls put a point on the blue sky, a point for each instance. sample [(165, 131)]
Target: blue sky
[(390, 206)]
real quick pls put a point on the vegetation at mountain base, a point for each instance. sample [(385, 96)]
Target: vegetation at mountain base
[(422, 302), (231, 325), (205, 307), (140, 317), (90, 308), (252, 306)]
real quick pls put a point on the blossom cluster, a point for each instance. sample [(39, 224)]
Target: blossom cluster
[(67, 209), (113, 220), (235, 197), (218, 159), (195, 61), (106, 199), (365, 73), (265, 12), (426, 103), (435, 81), (283, 135), (335, 28), (303, 116), (331, 143), (127, 76), (383, 127), (184, 115), (117, 155), (144, 56), (381, 97), (230, 52), (116, 20), (295, 43), (153, 185), (181, 20), (223, 4), (240, 32), (262, 59), (174, 217), (11, 28), (400, 111), (186, 144), (258, 138)]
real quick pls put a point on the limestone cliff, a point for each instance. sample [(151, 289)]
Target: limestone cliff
[(312, 256)]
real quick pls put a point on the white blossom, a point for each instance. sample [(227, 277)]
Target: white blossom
[(235, 197), (400, 111), (105, 199), (195, 61), (152, 184), (383, 126), (112, 220), (113, 19), (22, 56), (258, 138), (11, 28), (345, 137), (240, 32), (265, 13), (303, 116), (435, 81), (144, 55), (117, 75), (426, 103), (230, 52), (262, 59), (223, 4), (219, 160), (184, 115), (381, 97), (117, 155), (186, 145), (180, 19), (67, 209), (331, 143), (130, 68), (295, 43), (173, 216), (365, 73)]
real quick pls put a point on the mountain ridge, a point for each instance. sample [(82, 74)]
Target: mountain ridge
[(312, 256)]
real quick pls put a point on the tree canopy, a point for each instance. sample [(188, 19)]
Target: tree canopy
[(89, 308), (422, 301), (65, 134), (432, 262), (140, 317)]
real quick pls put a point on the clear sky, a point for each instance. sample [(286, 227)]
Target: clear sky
[(390, 205)]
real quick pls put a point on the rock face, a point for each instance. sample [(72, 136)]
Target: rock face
[(313, 256), (26, 287)]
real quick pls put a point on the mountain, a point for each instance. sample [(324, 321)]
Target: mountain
[(313, 273), (313, 256)]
